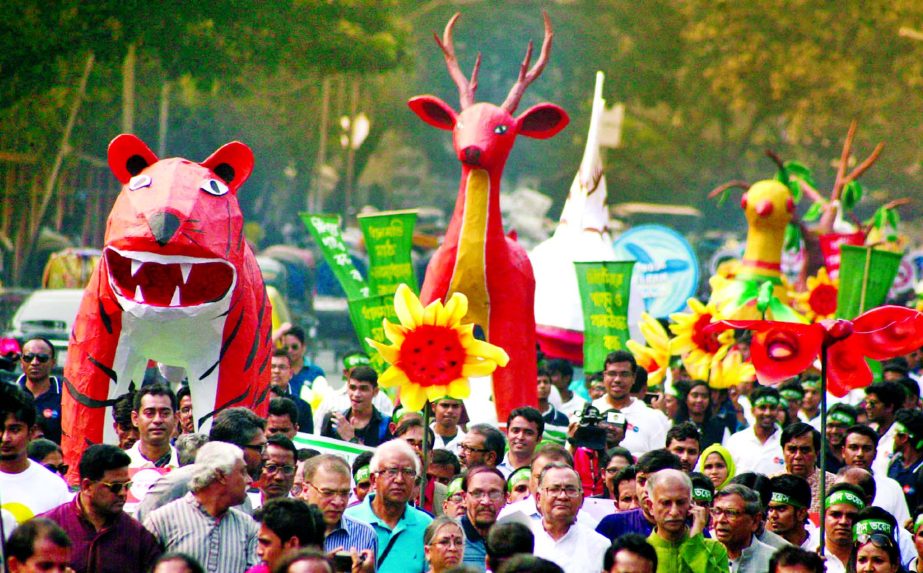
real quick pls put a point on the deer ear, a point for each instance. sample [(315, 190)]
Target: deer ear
[(433, 111), (233, 163), (128, 156), (542, 121)]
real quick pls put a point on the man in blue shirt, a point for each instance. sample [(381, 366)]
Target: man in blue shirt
[(484, 497), (395, 468), (639, 520)]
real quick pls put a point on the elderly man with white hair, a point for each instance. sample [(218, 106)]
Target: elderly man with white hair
[(395, 468), (204, 523), (678, 547)]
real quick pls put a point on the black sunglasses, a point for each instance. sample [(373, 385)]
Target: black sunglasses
[(60, 468), (116, 487), (42, 358)]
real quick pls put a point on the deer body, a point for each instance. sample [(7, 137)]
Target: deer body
[(476, 258)]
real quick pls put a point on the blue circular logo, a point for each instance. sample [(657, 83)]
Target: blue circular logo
[(667, 270)]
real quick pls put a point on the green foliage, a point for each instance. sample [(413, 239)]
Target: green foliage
[(792, 241), (813, 213), (852, 194)]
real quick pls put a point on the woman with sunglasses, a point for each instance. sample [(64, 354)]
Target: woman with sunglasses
[(443, 544), (48, 454), (875, 549)]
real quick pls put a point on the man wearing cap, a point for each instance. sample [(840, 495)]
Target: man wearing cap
[(787, 513), (758, 448), (907, 464), (339, 399), (843, 503)]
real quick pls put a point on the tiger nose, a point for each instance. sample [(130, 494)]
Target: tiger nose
[(163, 226)]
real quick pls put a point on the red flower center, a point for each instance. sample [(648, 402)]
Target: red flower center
[(431, 355), (782, 347), (822, 300), (704, 340)]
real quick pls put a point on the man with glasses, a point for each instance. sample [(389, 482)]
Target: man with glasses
[(679, 547), (279, 458), (105, 539), (26, 487), (559, 537), (735, 519), (482, 445), (326, 485), (484, 496), (38, 360), (398, 525)]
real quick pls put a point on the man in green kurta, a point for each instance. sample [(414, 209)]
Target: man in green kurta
[(679, 548)]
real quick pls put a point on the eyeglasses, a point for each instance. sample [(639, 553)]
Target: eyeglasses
[(495, 495), (60, 468), (469, 449), (406, 473), (341, 493), (42, 358), (449, 542), (273, 468), (116, 487), (732, 514), (259, 448), (613, 471), (569, 491)]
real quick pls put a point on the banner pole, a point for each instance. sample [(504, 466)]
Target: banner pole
[(823, 450)]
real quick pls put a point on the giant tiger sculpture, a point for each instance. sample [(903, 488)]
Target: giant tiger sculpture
[(177, 284)]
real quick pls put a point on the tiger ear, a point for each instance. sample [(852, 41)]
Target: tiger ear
[(233, 163), (128, 156)]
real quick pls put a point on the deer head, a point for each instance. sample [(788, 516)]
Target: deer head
[(483, 134)]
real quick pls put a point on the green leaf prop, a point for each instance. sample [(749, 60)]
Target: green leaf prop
[(813, 213), (792, 237), (764, 298), (723, 197), (885, 217), (852, 194)]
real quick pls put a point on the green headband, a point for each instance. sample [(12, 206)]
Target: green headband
[(350, 361), (783, 403), (918, 523), (362, 474), (766, 401), (811, 383), (517, 477), (870, 526), (702, 494), (791, 394), (844, 496), (841, 417), (902, 429), (779, 497), (455, 486)]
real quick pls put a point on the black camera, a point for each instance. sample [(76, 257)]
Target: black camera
[(589, 434)]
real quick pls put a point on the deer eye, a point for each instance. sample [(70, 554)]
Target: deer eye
[(500, 129), (138, 182), (214, 187)]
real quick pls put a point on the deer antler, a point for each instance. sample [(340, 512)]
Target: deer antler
[(527, 77), (466, 89), (725, 186)]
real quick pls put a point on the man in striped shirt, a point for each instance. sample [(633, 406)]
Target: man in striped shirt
[(203, 523)]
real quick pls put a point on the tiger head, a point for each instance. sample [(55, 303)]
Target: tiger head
[(174, 243)]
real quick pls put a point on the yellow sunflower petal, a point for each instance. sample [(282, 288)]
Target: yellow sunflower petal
[(394, 332), (456, 309), (436, 392), (389, 353), (459, 388), (465, 335), (482, 368), (408, 307), (432, 311), (413, 397), (488, 351), (393, 377)]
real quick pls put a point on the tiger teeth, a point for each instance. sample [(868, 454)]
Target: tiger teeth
[(135, 267), (139, 297), (185, 268), (175, 300)]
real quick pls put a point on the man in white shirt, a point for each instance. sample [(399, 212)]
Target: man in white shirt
[(882, 401), (758, 448), (27, 488), (860, 447), (338, 400), (646, 429), (559, 537), (447, 413), (154, 414), (561, 374)]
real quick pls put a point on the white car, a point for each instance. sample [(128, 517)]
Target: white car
[(49, 313)]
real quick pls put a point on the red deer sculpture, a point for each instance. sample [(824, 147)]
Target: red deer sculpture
[(476, 258)]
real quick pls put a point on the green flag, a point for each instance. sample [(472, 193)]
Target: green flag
[(604, 290), (326, 232), (366, 315), (389, 239)]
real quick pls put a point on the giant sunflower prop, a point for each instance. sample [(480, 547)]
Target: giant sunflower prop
[(819, 301), (701, 351), (731, 371), (655, 357), (432, 353)]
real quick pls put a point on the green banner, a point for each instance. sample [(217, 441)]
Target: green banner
[(388, 240), (604, 290), (366, 315), (326, 232)]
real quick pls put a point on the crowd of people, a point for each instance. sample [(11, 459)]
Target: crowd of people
[(607, 474)]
